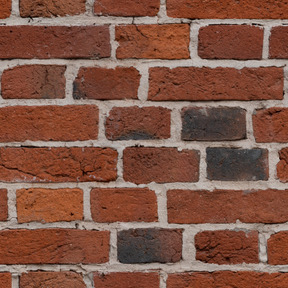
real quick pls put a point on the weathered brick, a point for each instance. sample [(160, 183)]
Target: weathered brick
[(51, 8), (231, 164), (5, 8), (277, 246), (3, 206), (127, 7), (123, 205), (240, 42), (106, 84), (278, 42), (53, 246), (51, 280), (169, 41), (45, 42), (5, 280), (148, 164), (205, 84), (48, 123), (134, 123), (282, 167), (227, 206), (213, 124), (226, 9), (59, 164), (127, 280), (227, 247), (241, 279), (149, 245), (49, 205), (34, 82)]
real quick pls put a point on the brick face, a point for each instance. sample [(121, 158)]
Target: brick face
[(278, 249), (5, 8), (278, 43)]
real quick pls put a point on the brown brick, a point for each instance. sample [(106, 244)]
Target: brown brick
[(123, 205), (160, 165), (59, 164), (205, 84), (3, 206), (106, 84), (134, 123), (226, 9), (49, 205), (149, 245), (48, 123), (51, 280), (127, 280), (34, 82), (227, 206), (240, 42), (5, 8), (213, 124), (277, 247), (278, 45), (282, 167), (5, 280), (170, 41), (46, 42), (227, 247), (127, 7), (51, 8), (53, 246), (227, 279)]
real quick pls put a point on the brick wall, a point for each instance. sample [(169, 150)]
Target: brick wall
[(143, 144)]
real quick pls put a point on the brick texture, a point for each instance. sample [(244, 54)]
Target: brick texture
[(3, 205), (282, 168), (278, 42), (278, 249), (5, 8)]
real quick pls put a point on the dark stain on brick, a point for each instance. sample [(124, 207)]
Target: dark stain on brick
[(77, 92)]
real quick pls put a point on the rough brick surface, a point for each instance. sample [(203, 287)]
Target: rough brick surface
[(227, 247), (204, 84), (34, 82), (48, 123), (230, 164), (50, 8), (45, 42), (51, 280), (160, 165), (123, 205), (282, 167), (5, 280), (219, 279), (57, 164), (227, 206), (244, 9), (49, 205), (213, 124), (5, 8), (277, 246), (53, 246), (127, 280), (153, 41), (133, 123), (241, 42), (127, 7), (3, 205), (106, 84), (149, 245), (278, 45)]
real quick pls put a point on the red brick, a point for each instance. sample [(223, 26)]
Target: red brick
[(127, 7), (277, 247), (48, 123), (160, 165), (127, 280), (48, 205), (227, 206), (34, 82), (170, 41), (51, 280), (134, 123), (278, 45), (123, 205), (227, 279), (46, 42), (226, 9), (59, 164), (5, 8), (205, 84), (51, 8), (282, 166), (240, 42), (227, 247), (5, 280), (106, 84), (3, 206), (53, 246)]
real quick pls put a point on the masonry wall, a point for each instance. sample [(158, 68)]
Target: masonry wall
[(143, 144)]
